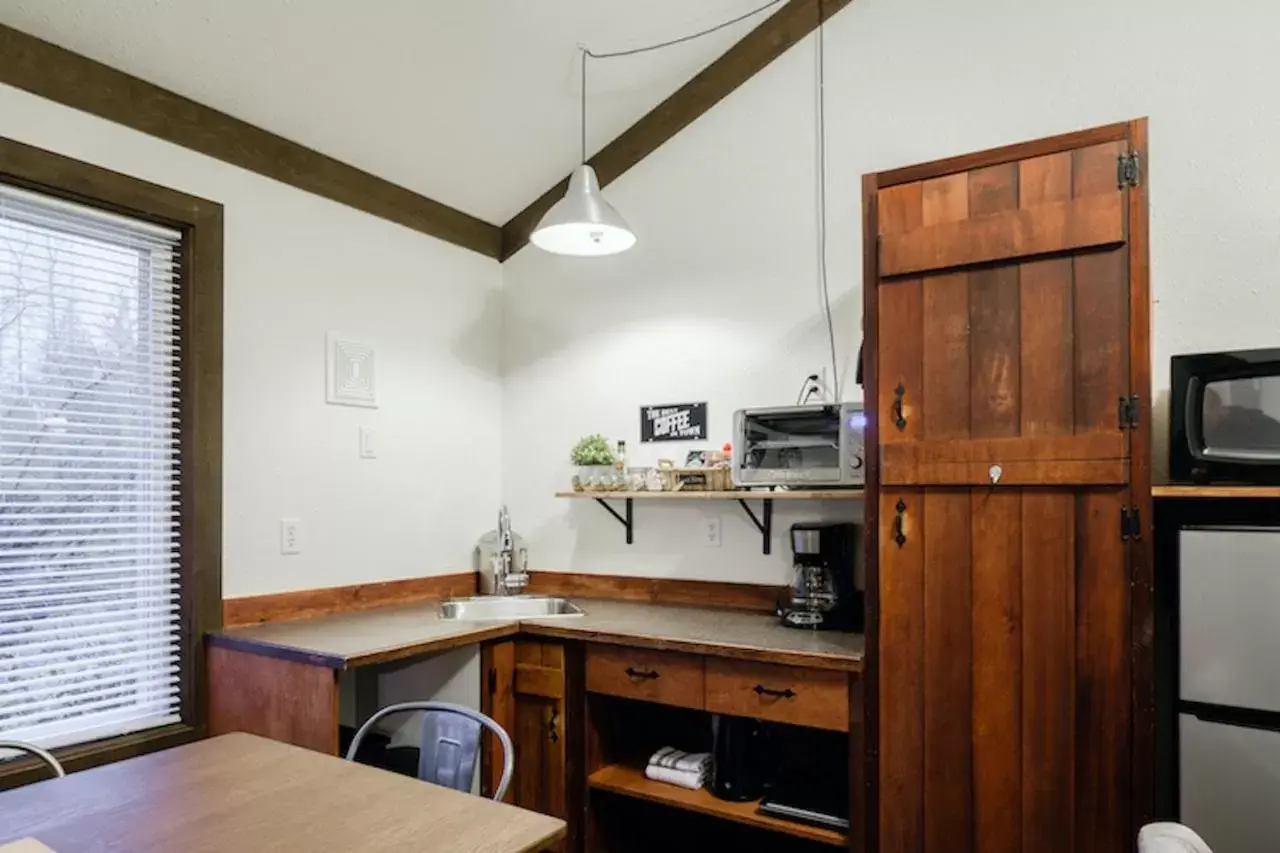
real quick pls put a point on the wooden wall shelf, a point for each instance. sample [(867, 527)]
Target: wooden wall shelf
[(815, 495), (630, 782), (763, 522), (1215, 492)]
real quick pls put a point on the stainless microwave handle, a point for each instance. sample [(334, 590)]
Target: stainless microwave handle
[(1194, 411)]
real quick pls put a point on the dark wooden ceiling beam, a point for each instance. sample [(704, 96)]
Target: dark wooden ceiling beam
[(68, 78), (772, 38)]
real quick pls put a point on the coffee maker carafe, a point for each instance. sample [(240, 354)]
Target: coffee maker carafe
[(823, 592)]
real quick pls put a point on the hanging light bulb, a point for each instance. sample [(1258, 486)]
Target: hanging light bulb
[(583, 223)]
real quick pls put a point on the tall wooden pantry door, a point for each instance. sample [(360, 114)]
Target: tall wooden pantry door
[(1009, 501)]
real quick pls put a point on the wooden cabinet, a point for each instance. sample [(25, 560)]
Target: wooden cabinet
[(669, 678), (525, 693), (782, 694), (1009, 498)]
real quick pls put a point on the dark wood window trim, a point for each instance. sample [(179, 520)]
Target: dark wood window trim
[(200, 378)]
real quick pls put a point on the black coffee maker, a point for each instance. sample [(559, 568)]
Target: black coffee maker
[(824, 592)]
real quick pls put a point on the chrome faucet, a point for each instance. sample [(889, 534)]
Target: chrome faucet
[(510, 571)]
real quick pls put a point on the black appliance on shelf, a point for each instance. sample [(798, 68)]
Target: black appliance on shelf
[(1224, 417), (825, 592), (739, 754)]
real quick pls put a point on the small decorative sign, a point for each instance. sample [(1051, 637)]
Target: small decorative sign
[(674, 422)]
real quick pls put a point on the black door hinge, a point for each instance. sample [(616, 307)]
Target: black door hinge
[(1130, 523), (1128, 412), (493, 681), (1129, 170)]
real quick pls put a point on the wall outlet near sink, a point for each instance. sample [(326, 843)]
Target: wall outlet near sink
[(712, 531), (290, 536)]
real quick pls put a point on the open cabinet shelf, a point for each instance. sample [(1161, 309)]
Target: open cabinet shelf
[(630, 782)]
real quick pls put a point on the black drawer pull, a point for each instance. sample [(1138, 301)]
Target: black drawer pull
[(636, 674), (761, 690)]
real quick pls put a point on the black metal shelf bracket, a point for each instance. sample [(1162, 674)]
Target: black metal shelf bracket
[(626, 521), (763, 523)]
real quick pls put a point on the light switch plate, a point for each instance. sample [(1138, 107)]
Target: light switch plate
[(368, 449)]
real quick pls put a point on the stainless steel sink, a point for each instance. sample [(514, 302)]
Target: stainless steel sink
[(483, 607)]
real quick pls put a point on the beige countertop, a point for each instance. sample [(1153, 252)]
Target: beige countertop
[(394, 633)]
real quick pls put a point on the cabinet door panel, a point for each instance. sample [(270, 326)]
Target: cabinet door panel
[(1006, 322)]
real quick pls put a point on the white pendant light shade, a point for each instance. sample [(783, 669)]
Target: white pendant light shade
[(583, 223)]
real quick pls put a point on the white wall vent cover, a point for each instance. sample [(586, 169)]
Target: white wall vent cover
[(350, 372)]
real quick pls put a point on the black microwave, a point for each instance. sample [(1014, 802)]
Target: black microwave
[(1224, 417)]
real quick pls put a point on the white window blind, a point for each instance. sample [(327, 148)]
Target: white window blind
[(89, 580)]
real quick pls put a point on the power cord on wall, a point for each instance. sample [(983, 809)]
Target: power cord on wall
[(821, 134)]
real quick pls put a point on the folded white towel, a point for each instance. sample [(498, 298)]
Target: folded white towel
[(674, 758), (691, 779), (1170, 838)]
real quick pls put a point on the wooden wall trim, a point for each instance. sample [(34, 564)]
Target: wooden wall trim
[(76, 81), (310, 603), (772, 38), (737, 596)]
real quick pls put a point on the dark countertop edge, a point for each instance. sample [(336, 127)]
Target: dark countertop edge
[(255, 646), (851, 662), (266, 648)]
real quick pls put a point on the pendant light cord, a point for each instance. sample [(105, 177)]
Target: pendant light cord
[(821, 133), (588, 52)]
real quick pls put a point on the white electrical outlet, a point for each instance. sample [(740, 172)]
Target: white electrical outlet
[(290, 536), (367, 446), (713, 532)]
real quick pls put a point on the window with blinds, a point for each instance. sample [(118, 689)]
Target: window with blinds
[(89, 468)]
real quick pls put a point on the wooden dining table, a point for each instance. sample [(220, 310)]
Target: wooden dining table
[(238, 793)]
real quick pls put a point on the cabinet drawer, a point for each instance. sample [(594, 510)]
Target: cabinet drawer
[(665, 677), (817, 698)]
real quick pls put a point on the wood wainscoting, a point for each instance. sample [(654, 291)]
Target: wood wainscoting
[(758, 598), (310, 603)]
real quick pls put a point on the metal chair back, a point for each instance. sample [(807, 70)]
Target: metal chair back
[(450, 743), (30, 748)]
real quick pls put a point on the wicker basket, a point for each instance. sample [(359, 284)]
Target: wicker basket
[(696, 479)]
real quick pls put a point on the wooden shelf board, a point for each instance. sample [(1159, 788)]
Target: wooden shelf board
[(815, 495), (629, 782), (1210, 492)]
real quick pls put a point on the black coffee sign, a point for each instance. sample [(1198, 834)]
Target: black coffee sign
[(673, 422)]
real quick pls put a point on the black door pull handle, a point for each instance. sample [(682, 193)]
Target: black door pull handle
[(761, 690), (639, 674)]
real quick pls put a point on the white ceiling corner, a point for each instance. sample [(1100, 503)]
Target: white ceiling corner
[(474, 104)]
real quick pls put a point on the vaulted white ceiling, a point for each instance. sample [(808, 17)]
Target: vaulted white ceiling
[(473, 103)]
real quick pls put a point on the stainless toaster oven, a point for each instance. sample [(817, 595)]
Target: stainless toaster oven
[(804, 446)]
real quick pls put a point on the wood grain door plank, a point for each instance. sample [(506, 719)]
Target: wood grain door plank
[(1047, 347), (901, 685), (948, 700), (1048, 671), (945, 355), (901, 360), (1102, 675), (997, 670), (1082, 223)]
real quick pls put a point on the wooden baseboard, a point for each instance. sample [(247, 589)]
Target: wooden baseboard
[(738, 596), (309, 603)]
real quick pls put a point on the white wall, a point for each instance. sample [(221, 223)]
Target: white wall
[(717, 301), (296, 266)]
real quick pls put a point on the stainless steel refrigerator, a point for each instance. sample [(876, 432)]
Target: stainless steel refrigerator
[(1229, 686)]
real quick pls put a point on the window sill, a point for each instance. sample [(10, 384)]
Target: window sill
[(23, 771)]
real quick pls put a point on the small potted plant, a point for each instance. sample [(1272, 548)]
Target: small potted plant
[(595, 461)]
